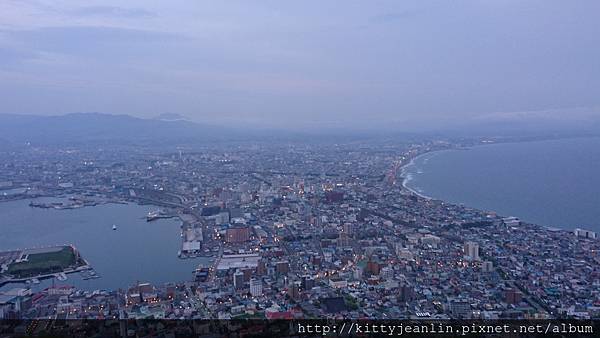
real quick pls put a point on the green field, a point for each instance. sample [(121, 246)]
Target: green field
[(44, 263)]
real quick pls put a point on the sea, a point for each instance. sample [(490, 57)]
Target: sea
[(554, 183), (136, 251)]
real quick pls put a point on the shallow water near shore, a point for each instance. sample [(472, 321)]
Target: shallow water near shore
[(552, 183)]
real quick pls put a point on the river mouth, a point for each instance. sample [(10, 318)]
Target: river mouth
[(134, 250)]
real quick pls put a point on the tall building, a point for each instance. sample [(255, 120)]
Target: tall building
[(358, 272), (308, 282), (513, 296), (406, 293), (238, 280), (343, 240), (282, 267), (248, 272), (487, 266), (471, 250), (261, 267), (348, 229), (256, 289), (295, 290)]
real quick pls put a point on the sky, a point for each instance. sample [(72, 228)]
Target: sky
[(304, 64)]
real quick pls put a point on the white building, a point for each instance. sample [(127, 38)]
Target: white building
[(511, 221), (585, 233), (256, 288), (337, 283)]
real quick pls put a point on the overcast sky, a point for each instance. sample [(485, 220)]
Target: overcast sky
[(302, 64)]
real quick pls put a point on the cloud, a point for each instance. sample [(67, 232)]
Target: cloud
[(87, 40), (415, 62), (77, 34), (30, 15), (112, 11)]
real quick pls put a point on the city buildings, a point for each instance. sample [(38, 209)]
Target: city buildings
[(303, 231)]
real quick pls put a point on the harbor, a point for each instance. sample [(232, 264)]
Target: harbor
[(118, 257)]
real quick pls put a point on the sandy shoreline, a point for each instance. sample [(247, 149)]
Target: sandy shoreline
[(406, 178)]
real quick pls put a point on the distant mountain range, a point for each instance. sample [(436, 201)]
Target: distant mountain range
[(173, 129), (106, 129), (163, 130)]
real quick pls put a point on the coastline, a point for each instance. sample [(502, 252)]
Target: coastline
[(406, 177)]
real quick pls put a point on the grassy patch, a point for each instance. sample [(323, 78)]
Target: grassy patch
[(44, 263), (351, 302)]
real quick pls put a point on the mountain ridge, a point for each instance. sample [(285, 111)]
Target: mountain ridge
[(103, 128)]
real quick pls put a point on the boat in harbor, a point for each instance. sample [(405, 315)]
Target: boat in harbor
[(89, 274), (157, 214)]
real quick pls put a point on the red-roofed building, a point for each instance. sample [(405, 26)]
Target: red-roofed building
[(279, 315)]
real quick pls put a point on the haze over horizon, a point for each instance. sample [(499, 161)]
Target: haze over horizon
[(415, 64)]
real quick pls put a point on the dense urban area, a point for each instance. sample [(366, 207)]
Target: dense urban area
[(296, 231)]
